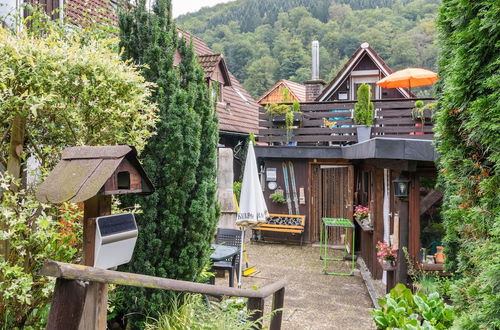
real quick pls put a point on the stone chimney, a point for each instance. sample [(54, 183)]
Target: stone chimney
[(315, 86)]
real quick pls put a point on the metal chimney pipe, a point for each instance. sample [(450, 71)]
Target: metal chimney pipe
[(315, 60)]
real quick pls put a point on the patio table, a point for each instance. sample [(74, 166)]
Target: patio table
[(330, 223), (223, 252)]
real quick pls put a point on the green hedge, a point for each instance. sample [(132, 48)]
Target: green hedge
[(467, 137)]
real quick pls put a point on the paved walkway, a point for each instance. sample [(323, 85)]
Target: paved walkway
[(312, 300)]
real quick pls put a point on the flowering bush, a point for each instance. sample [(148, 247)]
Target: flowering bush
[(361, 212), (34, 235), (386, 252)]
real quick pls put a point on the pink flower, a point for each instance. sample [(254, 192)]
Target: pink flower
[(386, 252)]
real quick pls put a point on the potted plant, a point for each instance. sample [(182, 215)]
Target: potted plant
[(278, 197), (289, 114), (423, 113), (362, 214), (363, 113), (386, 255)]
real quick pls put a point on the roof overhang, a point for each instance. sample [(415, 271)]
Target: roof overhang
[(298, 152), (391, 148), (377, 148)]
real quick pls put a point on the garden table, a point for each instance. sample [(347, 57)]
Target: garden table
[(223, 252), (330, 223)]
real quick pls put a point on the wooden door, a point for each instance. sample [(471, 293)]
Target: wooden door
[(331, 196)]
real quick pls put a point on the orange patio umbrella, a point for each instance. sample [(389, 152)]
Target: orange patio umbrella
[(408, 78)]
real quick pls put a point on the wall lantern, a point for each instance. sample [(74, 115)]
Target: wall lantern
[(401, 187)]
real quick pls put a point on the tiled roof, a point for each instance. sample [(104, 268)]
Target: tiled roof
[(86, 12), (298, 90), (239, 112), (209, 62)]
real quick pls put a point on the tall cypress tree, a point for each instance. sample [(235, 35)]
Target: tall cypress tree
[(178, 220)]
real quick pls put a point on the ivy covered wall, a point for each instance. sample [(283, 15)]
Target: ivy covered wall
[(468, 140)]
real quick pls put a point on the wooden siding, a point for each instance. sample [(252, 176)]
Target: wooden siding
[(276, 96), (301, 170)]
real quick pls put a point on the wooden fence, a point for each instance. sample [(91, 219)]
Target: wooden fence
[(69, 293), (331, 123)]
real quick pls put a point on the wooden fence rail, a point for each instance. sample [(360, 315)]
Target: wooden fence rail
[(393, 118), (68, 298)]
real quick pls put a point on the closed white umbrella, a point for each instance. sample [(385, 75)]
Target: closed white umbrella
[(252, 208)]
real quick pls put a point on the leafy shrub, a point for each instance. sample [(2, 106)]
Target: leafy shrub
[(363, 109), (69, 92), (237, 189), (35, 232), (288, 111), (192, 312), (402, 309)]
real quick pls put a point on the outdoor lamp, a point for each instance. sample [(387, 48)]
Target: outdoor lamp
[(401, 187)]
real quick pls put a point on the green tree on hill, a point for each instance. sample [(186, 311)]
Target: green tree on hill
[(179, 219)]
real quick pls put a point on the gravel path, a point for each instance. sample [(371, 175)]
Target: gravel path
[(312, 300)]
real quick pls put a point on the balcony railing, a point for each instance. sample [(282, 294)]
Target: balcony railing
[(331, 123)]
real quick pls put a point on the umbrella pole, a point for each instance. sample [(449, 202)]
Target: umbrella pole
[(241, 257)]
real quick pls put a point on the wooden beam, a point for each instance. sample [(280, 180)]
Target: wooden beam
[(86, 273), (430, 199)]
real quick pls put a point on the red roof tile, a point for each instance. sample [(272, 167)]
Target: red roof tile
[(238, 112)]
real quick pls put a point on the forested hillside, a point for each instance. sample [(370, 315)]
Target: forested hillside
[(266, 40)]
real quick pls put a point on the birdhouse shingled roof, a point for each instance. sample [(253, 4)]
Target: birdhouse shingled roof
[(83, 171)]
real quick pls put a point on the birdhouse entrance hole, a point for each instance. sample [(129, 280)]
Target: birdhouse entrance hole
[(123, 179)]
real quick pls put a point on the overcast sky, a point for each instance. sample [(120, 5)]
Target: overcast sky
[(188, 6)]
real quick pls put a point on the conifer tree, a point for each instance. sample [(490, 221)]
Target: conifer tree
[(467, 139), (178, 220)]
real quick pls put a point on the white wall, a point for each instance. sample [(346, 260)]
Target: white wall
[(9, 11)]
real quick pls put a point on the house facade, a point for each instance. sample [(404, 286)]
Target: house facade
[(334, 172)]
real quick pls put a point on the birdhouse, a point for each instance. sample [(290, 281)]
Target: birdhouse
[(86, 171)]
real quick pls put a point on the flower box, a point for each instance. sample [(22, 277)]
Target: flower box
[(364, 226), (387, 265)]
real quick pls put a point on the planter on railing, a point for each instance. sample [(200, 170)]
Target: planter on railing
[(388, 266)]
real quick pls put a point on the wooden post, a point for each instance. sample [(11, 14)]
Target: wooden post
[(402, 267), (67, 305), (256, 308), (278, 301), (389, 281), (96, 299)]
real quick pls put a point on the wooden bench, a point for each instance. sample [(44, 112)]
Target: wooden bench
[(284, 223)]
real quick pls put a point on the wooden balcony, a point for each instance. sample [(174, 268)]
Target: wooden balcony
[(393, 119)]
